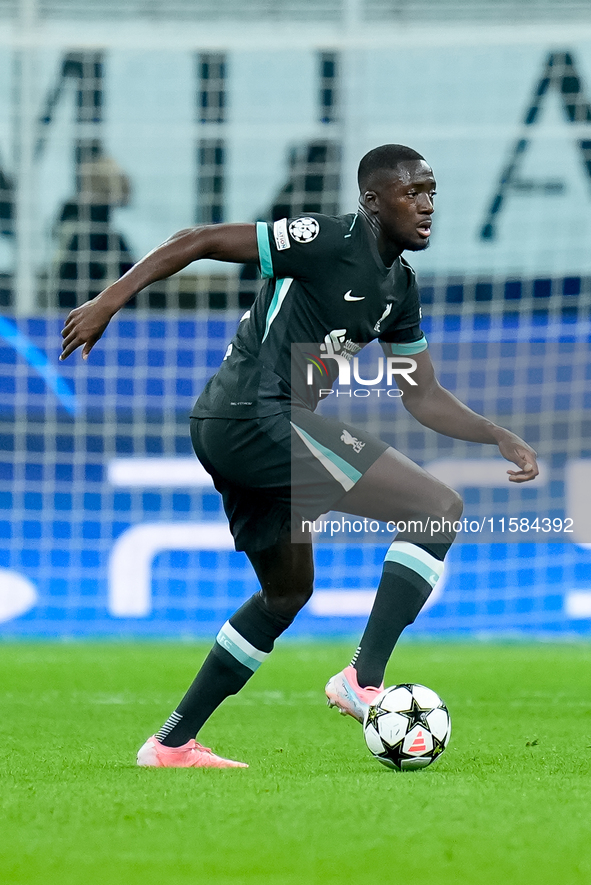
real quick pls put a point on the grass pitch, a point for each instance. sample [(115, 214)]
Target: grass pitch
[(508, 802)]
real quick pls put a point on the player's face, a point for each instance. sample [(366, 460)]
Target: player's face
[(402, 203)]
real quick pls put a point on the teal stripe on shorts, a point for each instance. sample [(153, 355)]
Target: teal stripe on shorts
[(342, 471)]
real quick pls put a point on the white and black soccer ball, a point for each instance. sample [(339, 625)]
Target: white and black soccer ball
[(407, 727)]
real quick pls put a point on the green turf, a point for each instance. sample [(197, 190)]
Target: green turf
[(509, 801)]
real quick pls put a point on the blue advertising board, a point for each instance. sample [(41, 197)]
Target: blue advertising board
[(109, 525)]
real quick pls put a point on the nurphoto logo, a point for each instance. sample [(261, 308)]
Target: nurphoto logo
[(340, 349)]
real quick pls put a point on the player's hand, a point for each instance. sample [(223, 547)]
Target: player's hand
[(516, 450), (84, 326)]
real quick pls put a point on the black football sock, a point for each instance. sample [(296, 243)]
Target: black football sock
[(410, 572), (240, 648)]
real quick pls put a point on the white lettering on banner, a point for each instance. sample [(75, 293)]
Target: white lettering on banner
[(523, 111), (358, 603), (578, 494), (560, 75), (577, 602), (130, 565), (17, 595), (158, 473)]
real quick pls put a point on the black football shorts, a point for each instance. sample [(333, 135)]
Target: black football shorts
[(273, 472)]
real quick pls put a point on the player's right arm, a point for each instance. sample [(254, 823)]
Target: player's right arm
[(222, 242)]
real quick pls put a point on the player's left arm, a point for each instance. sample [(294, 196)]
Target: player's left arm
[(435, 407)]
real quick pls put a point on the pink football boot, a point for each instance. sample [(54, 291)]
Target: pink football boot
[(343, 691), (191, 755)]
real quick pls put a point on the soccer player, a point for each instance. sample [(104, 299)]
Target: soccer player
[(334, 284)]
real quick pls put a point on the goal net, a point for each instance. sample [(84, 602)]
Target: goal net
[(107, 522)]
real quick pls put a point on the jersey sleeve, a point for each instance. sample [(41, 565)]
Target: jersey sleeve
[(293, 247), (410, 341), (405, 337)]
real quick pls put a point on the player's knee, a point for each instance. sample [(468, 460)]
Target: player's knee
[(290, 600)]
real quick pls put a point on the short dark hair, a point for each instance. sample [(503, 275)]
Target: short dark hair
[(384, 158)]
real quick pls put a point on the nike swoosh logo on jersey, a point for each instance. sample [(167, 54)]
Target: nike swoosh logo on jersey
[(348, 297)]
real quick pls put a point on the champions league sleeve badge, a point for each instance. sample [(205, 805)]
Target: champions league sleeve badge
[(304, 230)]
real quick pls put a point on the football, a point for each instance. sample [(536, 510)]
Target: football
[(407, 727)]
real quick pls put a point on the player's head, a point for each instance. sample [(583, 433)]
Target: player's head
[(383, 161), (396, 187)]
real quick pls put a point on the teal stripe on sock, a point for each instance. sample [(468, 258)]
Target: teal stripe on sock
[(234, 649), (429, 571)]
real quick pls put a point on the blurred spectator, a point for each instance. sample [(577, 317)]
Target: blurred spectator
[(90, 254), (312, 186), (6, 205)]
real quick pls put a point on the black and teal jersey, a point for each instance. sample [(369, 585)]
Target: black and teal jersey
[(328, 293)]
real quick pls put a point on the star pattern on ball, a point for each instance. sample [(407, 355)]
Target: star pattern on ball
[(416, 714)]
